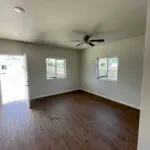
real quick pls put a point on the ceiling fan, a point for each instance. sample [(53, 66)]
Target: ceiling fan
[(87, 40)]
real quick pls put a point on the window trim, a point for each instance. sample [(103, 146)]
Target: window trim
[(97, 69), (65, 73)]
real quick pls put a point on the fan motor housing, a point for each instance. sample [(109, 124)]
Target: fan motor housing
[(86, 38)]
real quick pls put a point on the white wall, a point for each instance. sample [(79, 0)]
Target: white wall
[(81, 65), (36, 63), (144, 132), (127, 89)]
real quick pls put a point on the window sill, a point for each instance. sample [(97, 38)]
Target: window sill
[(102, 79), (56, 78)]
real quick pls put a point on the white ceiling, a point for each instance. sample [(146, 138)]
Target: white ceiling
[(59, 21)]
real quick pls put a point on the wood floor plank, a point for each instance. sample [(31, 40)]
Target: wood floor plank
[(73, 121)]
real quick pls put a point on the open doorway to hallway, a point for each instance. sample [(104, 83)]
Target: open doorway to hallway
[(13, 79)]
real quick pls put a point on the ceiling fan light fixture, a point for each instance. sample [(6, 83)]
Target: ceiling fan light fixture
[(19, 10)]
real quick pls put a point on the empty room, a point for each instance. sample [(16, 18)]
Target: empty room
[(74, 74)]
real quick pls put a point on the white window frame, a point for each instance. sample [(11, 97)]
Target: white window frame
[(56, 77), (98, 69)]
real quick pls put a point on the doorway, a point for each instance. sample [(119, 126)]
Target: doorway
[(13, 79)]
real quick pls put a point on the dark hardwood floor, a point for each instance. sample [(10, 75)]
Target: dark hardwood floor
[(73, 121)]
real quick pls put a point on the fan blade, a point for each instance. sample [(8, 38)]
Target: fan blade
[(91, 44), (97, 40), (79, 44)]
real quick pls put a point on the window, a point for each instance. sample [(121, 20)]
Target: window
[(107, 68), (56, 68)]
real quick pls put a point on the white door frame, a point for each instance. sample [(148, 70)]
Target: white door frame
[(26, 75), (27, 78)]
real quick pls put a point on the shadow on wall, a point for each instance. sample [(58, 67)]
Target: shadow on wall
[(98, 30), (42, 38)]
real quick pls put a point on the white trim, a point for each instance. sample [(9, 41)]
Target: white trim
[(111, 99), (56, 75), (53, 94)]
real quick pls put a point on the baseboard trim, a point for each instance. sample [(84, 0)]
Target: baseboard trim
[(111, 99), (86, 91), (54, 94)]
